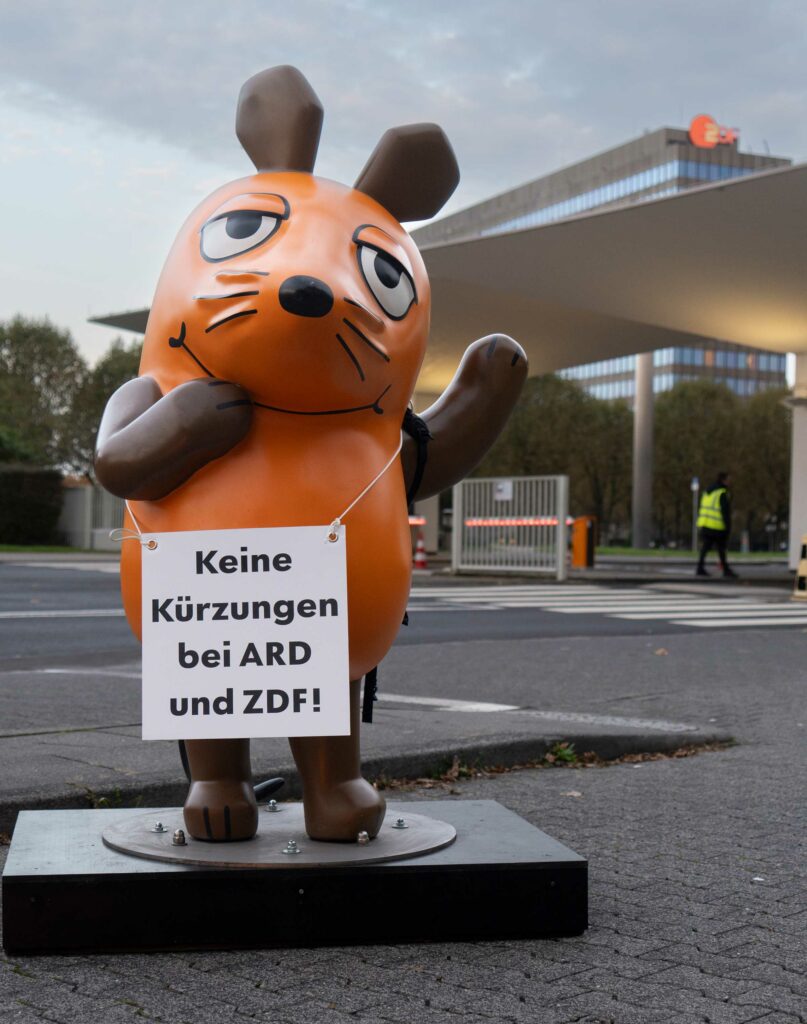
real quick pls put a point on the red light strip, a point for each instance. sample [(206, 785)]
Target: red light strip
[(523, 521)]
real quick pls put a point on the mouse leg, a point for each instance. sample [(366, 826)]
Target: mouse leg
[(338, 802), (220, 806)]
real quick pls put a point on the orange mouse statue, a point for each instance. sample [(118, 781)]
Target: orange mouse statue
[(282, 349)]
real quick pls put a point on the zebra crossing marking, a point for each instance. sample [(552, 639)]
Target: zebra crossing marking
[(631, 604)]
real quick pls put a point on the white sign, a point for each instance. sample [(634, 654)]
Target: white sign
[(503, 490), (245, 634)]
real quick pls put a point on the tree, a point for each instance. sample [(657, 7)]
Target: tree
[(761, 465), (40, 372), (701, 428), (696, 430), (540, 437), (606, 463), (13, 448), (119, 364), (557, 428)]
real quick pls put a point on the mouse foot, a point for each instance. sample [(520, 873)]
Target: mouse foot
[(221, 812), (338, 813)]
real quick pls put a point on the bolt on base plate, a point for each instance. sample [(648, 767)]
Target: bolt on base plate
[(281, 840)]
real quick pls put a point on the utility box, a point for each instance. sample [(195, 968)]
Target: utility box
[(584, 538)]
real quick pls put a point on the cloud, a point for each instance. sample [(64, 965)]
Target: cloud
[(521, 87)]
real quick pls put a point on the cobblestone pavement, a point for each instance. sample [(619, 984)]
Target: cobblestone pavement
[(697, 912)]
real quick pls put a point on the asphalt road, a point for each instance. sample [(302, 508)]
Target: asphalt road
[(70, 613)]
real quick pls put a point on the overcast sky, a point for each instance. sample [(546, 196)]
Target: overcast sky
[(116, 118)]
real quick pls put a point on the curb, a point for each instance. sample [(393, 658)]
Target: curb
[(422, 764)]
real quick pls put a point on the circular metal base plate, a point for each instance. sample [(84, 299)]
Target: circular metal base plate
[(135, 836)]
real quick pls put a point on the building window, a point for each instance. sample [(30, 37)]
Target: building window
[(615, 190)]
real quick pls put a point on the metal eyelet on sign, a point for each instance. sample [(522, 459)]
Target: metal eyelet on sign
[(151, 545)]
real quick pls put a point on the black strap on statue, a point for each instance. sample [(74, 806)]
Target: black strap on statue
[(370, 694), (417, 429)]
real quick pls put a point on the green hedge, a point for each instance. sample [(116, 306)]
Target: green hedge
[(30, 503)]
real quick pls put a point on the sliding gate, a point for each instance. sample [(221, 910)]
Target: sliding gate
[(511, 524)]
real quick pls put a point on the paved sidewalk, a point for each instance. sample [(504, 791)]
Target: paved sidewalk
[(698, 906)]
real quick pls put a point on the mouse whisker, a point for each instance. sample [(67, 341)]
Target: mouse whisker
[(230, 295), (371, 344), (351, 356), (227, 319)]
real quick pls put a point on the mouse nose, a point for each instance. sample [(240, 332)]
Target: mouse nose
[(305, 296)]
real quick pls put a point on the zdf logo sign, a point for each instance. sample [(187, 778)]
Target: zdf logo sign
[(706, 133)]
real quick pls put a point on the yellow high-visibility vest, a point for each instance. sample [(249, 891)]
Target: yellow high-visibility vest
[(710, 515)]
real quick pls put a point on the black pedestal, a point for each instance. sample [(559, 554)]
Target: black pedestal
[(63, 890)]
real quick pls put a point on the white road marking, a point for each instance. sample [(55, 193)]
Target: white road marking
[(446, 703), (463, 706), (117, 673), (627, 610), (66, 613), (722, 623), (110, 567), (752, 610)]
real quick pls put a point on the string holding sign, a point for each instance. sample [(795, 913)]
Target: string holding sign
[(122, 534), (336, 525)]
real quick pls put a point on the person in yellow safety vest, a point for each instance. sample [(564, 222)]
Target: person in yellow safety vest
[(714, 522)]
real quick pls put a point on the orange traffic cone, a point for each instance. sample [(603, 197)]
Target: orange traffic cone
[(420, 554)]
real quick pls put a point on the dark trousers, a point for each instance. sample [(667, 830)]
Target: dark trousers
[(718, 538)]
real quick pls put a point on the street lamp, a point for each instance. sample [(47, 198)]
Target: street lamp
[(694, 485)]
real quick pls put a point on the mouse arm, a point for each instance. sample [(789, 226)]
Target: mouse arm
[(469, 415), (149, 443)]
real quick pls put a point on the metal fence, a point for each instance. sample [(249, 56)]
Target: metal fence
[(107, 510), (511, 524)]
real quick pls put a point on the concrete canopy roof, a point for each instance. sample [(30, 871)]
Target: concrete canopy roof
[(726, 261), (132, 320)]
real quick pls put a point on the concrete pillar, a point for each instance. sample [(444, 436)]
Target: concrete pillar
[(798, 461), (75, 520), (642, 504)]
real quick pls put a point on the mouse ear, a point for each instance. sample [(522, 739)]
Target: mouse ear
[(279, 120), (411, 172)]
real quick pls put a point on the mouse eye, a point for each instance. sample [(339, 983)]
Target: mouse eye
[(390, 284), (230, 234)]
